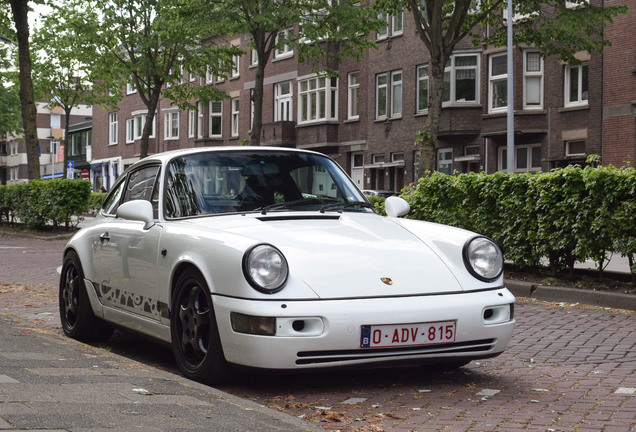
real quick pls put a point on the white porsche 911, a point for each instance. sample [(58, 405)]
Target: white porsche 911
[(271, 258)]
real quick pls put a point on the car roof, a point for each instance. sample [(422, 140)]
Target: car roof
[(165, 156)]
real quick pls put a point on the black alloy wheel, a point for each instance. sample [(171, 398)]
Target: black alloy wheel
[(76, 313), (195, 337)]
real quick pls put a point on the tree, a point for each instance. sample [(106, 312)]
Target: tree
[(144, 43), (338, 29), (10, 118), (555, 27), (62, 71), (19, 17)]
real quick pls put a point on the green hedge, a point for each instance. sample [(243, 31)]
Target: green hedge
[(38, 203), (565, 216)]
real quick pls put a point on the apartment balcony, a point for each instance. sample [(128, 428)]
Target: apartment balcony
[(280, 134)]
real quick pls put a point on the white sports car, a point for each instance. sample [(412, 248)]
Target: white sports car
[(271, 258)]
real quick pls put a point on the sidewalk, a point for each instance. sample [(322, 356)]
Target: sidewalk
[(56, 384)]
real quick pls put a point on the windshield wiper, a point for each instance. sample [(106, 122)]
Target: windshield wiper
[(344, 205), (288, 204)]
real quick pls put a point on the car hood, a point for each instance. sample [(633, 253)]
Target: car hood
[(348, 255)]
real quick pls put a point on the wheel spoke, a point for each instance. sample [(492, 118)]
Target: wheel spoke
[(194, 324)]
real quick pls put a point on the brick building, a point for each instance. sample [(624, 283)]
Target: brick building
[(50, 130), (367, 119)]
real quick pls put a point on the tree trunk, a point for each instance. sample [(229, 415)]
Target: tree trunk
[(257, 127), (153, 102), (20, 9)]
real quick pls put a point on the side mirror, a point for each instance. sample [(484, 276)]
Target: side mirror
[(396, 206), (137, 210)]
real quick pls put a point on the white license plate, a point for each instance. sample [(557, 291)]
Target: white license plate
[(397, 335)]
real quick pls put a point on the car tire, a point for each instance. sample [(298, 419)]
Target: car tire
[(196, 343), (76, 314)]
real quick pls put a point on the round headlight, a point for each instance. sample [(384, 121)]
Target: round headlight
[(483, 259), (265, 268)]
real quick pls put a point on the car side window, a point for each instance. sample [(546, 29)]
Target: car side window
[(141, 184), (113, 200)]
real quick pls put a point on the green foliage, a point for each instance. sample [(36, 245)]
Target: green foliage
[(378, 202), (566, 215), (45, 202), (95, 201)]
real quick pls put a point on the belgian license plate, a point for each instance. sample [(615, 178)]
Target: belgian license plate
[(398, 335)]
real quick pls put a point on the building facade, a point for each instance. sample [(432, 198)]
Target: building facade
[(367, 119), (50, 131)]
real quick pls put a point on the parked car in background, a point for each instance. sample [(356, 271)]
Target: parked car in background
[(378, 193), (271, 258)]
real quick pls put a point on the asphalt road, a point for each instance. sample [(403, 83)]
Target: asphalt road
[(568, 368)]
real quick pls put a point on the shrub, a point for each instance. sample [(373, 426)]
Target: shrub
[(564, 216)]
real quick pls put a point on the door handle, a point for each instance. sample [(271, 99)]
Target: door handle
[(104, 237)]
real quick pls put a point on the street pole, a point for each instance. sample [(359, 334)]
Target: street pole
[(510, 161)]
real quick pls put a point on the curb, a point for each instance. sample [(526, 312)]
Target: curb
[(571, 295)]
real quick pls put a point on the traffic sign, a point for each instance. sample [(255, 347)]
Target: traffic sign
[(70, 169)]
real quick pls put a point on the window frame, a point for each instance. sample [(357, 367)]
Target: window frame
[(353, 96), (113, 127), (502, 161), (287, 50), (213, 114), (396, 88), (312, 100), (580, 102), (171, 125), (381, 89), (234, 104), (452, 70), (494, 81), (532, 74), (280, 99), (420, 79)]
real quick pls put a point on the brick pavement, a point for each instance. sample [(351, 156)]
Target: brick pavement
[(567, 369)]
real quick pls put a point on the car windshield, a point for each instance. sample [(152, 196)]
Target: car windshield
[(240, 181)]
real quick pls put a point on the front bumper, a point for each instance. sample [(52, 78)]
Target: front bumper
[(332, 335)]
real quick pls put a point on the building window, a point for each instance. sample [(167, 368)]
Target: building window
[(130, 87), (112, 128), (527, 158), (253, 57), (209, 78), (236, 66), (397, 23), (378, 158), (216, 118), (380, 95), (532, 80), (130, 130), (498, 83), (191, 122), (135, 127), (461, 83), (318, 99), (445, 160), (394, 25), (284, 48), (575, 148), (422, 88), (171, 126), (199, 120), (235, 117), (283, 101), (353, 98), (396, 94), (576, 85), (417, 154)]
